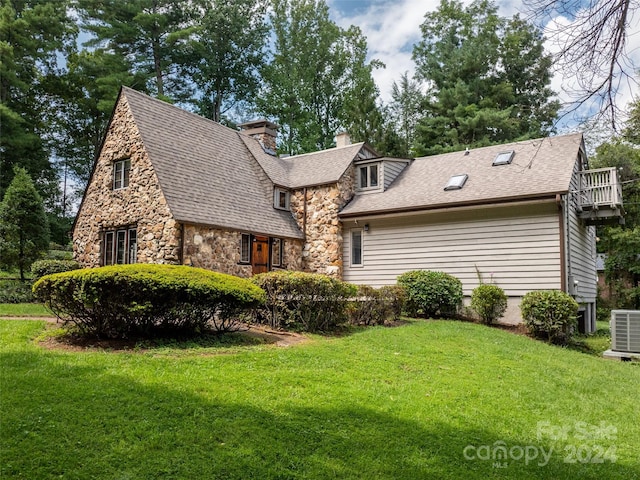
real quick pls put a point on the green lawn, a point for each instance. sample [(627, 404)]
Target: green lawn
[(24, 310), (424, 400)]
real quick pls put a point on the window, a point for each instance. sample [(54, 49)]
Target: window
[(456, 182), (368, 176), (121, 174), (276, 252), (356, 247), (245, 248), (503, 158), (120, 246), (281, 199)]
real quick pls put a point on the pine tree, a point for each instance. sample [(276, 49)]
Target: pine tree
[(24, 230)]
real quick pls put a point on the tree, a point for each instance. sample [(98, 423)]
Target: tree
[(34, 36), (591, 43), (487, 79), (622, 243), (225, 52), (405, 110), (318, 81), (148, 34), (24, 231)]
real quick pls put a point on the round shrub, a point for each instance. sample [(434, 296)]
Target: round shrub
[(146, 300), (308, 302), (550, 314), (41, 268), (489, 302), (431, 293)]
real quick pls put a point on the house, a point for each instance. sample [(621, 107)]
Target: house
[(169, 186)]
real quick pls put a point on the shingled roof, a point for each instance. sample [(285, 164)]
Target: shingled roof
[(540, 168), (317, 168), (205, 170)]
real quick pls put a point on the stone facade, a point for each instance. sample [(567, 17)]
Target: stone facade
[(322, 252), (141, 205)]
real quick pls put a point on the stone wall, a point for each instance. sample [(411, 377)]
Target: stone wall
[(219, 250), (141, 204), (322, 251)]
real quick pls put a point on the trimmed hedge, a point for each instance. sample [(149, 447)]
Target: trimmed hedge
[(489, 302), (376, 306), (144, 300), (550, 314), (431, 293), (40, 268), (302, 301)]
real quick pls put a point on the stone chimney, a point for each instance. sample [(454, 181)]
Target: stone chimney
[(264, 131), (343, 139)]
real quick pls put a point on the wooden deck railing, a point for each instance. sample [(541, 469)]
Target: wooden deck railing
[(600, 189)]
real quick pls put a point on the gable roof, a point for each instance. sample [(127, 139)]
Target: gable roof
[(540, 168), (317, 168), (207, 174)]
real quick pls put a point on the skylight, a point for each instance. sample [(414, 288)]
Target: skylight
[(503, 158), (456, 182)]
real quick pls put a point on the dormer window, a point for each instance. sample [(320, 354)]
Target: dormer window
[(121, 173), (281, 199), (503, 158), (368, 176), (456, 182)]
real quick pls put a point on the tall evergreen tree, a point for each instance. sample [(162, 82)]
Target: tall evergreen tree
[(318, 81), (224, 53), (146, 33), (34, 35), (488, 79), (24, 230), (405, 110)]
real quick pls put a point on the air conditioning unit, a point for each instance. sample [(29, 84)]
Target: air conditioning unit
[(625, 331)]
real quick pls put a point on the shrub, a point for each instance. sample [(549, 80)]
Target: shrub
[(40, 268), (376, 306), (431, 293), (489, 302), (303, 301), (147, 300), (550, 314), (15, 291)]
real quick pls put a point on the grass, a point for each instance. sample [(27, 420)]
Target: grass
[(595, 343), (36, 310), (381, 403)]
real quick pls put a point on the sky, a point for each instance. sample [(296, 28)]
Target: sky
[(392, 27)]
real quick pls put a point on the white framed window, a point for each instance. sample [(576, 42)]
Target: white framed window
[(369, 176), (281, 198), (245, 248), (120, 246), (121, 170), (356, 247), (276, 252)]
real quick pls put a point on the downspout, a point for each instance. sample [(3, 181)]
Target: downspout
[(563, 249)]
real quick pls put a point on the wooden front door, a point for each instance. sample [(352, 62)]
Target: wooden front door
[(260, 255)]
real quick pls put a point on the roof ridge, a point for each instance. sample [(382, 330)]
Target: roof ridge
[(351, 145)]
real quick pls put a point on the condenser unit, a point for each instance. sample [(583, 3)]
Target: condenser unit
[(625, 331)]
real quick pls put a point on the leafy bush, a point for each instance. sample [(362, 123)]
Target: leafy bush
[(431, 293), (303, 301), (147, 300), (376, 306), (550, 314), (15, 291), (40, 268), (489, 302)]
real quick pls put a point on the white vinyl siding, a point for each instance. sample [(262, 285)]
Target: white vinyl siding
[(581, 249), (516, 247), (391, 171)]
